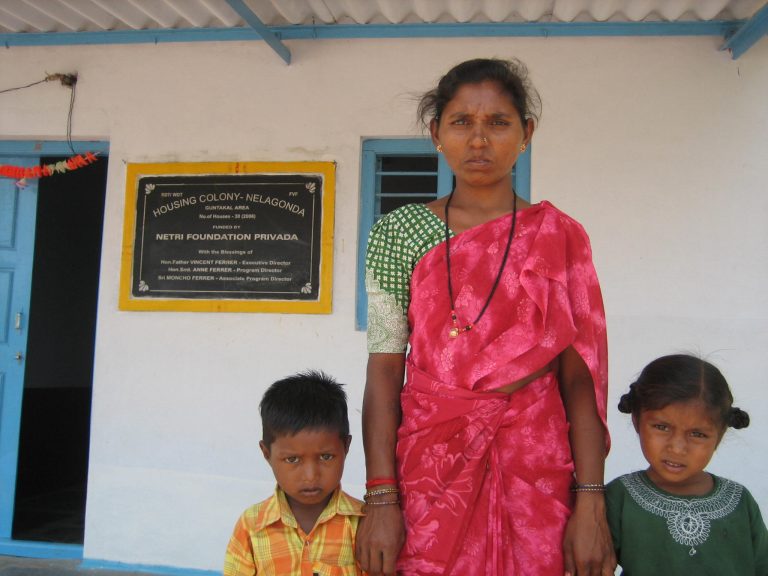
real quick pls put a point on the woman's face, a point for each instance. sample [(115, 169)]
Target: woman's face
[(481, 134)]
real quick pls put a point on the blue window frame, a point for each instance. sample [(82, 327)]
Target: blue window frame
[(400, 171)]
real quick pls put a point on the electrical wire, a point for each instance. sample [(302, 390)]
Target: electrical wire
[(72, 87), (68, 80), (22, 87)]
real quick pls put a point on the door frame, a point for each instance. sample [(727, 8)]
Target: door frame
[(37, 149)]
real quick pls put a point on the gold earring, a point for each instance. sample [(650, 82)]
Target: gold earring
[(522, 148), (439, 147)]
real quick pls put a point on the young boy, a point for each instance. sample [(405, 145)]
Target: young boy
[(308, 526)]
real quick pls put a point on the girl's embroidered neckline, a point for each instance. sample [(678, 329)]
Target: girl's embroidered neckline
[(688, 518)]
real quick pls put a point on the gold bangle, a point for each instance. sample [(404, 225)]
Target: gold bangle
[(588, 488), (380, 492), (383, 503)]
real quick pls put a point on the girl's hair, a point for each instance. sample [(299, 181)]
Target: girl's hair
[(682, 378), (510, 75)]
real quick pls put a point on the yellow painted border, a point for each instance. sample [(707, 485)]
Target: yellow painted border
[(321, 306)]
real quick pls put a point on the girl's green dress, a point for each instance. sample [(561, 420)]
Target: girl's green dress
[(656, 533)]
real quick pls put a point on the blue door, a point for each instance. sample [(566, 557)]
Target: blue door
[(18, 202), (18, 215)]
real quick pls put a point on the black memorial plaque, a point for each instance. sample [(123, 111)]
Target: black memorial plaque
[(228, 237)]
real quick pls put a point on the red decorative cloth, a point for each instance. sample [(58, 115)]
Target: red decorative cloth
[(484, 475)]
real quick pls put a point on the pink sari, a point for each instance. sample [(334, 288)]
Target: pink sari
[(485, 476)]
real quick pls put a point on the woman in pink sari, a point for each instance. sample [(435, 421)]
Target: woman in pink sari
[(489, 461)]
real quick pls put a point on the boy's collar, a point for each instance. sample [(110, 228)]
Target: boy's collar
[(279, 509)]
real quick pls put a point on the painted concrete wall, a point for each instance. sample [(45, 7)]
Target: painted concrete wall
[(655, 144)]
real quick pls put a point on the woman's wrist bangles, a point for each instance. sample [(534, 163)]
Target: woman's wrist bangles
[(371, 494), (588, 488)]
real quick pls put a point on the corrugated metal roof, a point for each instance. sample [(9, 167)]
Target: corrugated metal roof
[(18, 16), (107, 21), (101, 15)]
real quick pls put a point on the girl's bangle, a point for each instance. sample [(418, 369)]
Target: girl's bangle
[(373, 482), (588, 488)]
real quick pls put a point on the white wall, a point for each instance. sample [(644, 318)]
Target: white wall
[(653, 143)]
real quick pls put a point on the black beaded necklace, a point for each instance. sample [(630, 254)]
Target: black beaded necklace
[(456, 330)]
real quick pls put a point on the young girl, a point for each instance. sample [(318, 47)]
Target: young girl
[(675, 518)]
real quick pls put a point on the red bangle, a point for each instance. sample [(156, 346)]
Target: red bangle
[(373, 482)]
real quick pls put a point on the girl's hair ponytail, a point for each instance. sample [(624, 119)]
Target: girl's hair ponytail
[(738, 418), (628, 400)]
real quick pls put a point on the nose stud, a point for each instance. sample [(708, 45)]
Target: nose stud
[(485, 140)]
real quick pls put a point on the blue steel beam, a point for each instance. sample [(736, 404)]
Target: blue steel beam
[(518, 29), (749, 33), (721, 28), (263, 30)]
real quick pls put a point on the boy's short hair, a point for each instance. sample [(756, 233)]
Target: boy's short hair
[(310, 399)]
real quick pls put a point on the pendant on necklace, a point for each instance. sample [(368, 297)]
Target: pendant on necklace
[(455, 330)]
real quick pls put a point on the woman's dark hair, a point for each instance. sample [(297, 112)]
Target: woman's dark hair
[(308, 400), (510, 75), (682, 378)]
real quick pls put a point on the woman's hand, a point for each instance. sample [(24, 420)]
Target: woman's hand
[(587, 545), (380, 536), (381, 532)]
